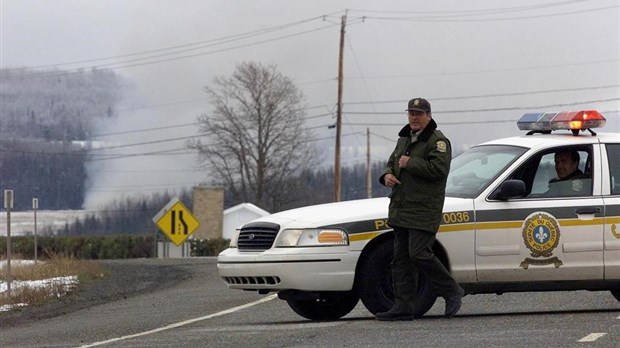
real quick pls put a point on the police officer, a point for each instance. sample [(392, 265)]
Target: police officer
[(417, 171), (570, 181)]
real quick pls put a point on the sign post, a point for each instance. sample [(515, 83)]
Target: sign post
[(35, 207), (8, 205), (176, 221)]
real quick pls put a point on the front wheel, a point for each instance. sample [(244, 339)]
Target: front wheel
[(616, 294), (329, 306), (374, 282)]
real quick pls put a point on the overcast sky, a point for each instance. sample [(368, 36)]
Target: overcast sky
[(481, 64)]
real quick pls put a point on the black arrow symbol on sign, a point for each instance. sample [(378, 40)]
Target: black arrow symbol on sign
[(182, 222)]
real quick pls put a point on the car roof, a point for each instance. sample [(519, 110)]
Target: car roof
[(555, 139)]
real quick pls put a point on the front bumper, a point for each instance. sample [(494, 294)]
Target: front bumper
[(306, 269)]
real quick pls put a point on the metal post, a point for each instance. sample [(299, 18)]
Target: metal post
[(8, 205), (35, 207)]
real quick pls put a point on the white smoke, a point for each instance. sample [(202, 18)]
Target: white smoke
[(141, 151)]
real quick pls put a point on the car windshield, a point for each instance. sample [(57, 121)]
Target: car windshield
[(473, 170)]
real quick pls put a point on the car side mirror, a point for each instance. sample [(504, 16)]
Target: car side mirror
[(509, 189)]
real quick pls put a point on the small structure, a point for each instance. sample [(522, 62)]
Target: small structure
[(208, 208), (239, 215)]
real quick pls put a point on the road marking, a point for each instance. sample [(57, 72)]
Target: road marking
[(592, 337), (282, 327), (181, 323)]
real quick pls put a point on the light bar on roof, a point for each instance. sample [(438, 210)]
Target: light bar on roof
[(572, 120)]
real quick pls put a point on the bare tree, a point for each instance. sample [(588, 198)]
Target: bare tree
[(256, 144)]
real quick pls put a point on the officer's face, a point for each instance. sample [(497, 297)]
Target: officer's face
[(418, 120), (564, 165)]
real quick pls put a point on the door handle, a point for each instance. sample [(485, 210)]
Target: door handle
[(588, 210)]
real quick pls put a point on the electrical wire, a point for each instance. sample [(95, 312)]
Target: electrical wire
[(131, 63), (200, 44), (452, 19), (480, 11)]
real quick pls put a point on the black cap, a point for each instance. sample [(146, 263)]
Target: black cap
[(419, 104)]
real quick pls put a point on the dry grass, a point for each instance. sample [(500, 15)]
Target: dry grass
[(57, 276)]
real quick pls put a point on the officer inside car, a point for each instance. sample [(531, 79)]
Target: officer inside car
[(570, 179)]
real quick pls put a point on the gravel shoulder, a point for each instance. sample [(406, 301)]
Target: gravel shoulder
[(125, 278)]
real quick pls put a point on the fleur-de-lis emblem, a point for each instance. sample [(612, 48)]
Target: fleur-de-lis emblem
[(541, 235)]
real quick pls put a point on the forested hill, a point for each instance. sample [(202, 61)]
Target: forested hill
[(42, 114), (53, 105)]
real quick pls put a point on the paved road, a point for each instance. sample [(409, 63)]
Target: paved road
[(196, 310)]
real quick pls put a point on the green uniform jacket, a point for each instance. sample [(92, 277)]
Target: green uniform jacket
[(417, 202)]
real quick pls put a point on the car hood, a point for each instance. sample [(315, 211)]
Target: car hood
[(346, 211)]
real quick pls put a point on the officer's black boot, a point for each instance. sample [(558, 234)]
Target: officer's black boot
[(400, 311), (453, 302)]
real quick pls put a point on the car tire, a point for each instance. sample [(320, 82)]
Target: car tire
[(616, 294), (329, 306), (374, 282)]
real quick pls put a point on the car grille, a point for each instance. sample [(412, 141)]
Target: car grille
[(268, 280), (257, 236)]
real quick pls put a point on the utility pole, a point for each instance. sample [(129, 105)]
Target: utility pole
[(368, 169), (337, 176)]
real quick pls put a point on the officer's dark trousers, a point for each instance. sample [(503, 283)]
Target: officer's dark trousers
[(412, 255)]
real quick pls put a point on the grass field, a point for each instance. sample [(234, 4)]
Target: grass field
[(34, 283)]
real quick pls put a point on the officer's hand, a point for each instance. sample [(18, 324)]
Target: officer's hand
[(402, 162), (390, 180)]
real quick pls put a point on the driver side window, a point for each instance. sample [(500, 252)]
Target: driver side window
[(561, 172), (544, 173)]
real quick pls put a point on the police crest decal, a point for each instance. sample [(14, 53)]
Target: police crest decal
[(541, 234)]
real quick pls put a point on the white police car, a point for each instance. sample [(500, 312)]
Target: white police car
[(503, 229)]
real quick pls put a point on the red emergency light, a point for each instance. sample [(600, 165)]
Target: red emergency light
[(574, 121)]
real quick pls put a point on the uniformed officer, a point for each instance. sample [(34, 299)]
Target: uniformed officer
[(570, 181), (417, 171)]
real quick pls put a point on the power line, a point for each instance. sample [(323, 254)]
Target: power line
[(130, 64), (148, 170), (170, 152), (494, 95), (449, 19), (177, 126), (359, 68), (477, 72), (480, 11), (186, 152), (225, 39), (442, 123), (510, 108), (145, 130)]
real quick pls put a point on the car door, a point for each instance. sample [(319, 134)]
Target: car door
[(540, 236), (611, 195)]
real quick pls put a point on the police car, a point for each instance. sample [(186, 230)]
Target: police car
[(503, 228)]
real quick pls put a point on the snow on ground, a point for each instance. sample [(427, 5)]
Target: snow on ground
[(62, 284)]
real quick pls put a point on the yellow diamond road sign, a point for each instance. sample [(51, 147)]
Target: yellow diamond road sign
[(176, 221)]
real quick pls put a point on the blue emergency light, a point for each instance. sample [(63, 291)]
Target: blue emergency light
[(574, 121)]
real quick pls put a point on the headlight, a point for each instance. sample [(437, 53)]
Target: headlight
[(234, 239), (311, 237)]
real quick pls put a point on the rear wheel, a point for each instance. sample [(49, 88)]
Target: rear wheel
[(329, 306), (616, 294), (374, 282)]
